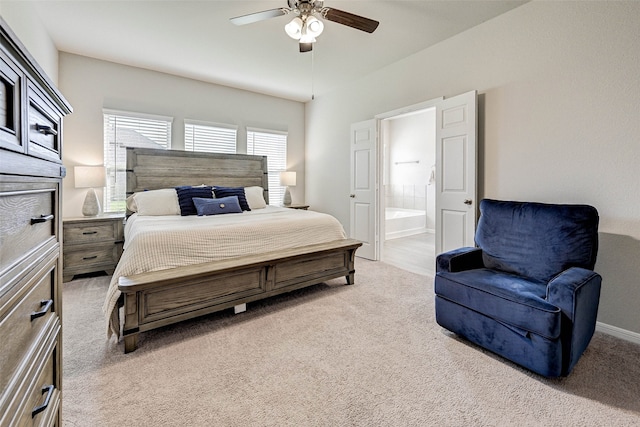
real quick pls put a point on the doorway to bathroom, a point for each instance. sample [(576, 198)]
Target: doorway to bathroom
[(376, 178), (408, 217)]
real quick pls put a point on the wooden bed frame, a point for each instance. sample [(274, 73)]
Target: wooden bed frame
[(155, 299)]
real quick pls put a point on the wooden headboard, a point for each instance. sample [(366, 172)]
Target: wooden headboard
[(152, 169)]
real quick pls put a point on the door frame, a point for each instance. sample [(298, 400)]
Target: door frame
[(415, 108)]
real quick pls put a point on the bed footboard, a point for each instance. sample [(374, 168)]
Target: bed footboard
[(160, 298)]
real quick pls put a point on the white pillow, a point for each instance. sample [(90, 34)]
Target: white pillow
[(155, 202), (131, 203), (255, 197)]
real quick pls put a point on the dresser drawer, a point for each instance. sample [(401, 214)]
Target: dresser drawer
[(42, 403), (27, 219), (45, 127), (89, 232), (22, 322)]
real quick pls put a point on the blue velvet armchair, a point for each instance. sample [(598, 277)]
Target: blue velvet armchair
[(528, 292)]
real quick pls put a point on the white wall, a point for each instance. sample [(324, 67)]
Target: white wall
[(559, 121), (26, 24), (91, 85)]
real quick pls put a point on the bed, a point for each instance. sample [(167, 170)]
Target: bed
[(171, 270)]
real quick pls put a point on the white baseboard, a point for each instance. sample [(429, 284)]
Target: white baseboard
[(634, 337)]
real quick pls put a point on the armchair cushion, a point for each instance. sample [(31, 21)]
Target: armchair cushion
[(515, 301)]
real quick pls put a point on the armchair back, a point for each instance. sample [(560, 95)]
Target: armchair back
[(537, 240)]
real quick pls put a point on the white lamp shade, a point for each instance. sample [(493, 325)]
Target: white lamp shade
[(288, 178), (294, 28), (89, 176), (314, 26)]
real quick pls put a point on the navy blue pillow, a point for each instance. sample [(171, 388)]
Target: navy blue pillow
[(185, 198), (222, 205), (233, 191)]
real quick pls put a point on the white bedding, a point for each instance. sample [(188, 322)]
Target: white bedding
[(160, 242)]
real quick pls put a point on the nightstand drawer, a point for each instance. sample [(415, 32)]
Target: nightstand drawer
[(92, 255), (89, 232)]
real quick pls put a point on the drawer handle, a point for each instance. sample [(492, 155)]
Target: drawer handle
[(49, 390), (46, 305), (90, 257), (41, 218), (89, 232), (46, 130)]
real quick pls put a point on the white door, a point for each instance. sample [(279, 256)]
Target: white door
[(456, 164), (363, 223)]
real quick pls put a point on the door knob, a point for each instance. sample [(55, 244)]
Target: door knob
[(353, 196), (467, 201)]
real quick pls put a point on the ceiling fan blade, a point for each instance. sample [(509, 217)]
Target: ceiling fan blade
[(306, 47), (351, 20), (259, 16)]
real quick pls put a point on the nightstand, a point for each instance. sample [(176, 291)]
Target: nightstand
[(296, 206), (92, 244)]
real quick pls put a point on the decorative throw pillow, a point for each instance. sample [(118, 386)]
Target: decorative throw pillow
[(223, 205), (186, 195), (155, 202), (233, 191), (255, 197)]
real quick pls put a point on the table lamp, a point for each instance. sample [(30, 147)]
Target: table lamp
[(288, 179), (90, 177)]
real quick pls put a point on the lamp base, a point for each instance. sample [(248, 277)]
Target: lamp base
[(286, 199), (91, 205)]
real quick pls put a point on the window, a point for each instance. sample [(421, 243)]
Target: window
[(211, 137), (123, 129), (272, 144)]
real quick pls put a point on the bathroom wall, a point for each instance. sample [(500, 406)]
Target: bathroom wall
[(409, 158)]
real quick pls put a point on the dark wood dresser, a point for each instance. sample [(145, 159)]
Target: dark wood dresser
[(31, 172)]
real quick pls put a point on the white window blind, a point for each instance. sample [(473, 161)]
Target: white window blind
[(124, 129), (210, 137), (272, 144)]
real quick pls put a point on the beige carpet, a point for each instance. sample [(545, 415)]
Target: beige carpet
[(331, 355)]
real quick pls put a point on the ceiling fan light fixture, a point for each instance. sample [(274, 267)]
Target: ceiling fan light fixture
[(294, 28), (306, 26)]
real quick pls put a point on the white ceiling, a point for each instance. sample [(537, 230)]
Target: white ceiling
[(195, 39)]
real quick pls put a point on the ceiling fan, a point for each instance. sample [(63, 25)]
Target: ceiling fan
[(306, 26)]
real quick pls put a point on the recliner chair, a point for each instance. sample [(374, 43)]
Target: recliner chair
[(528, 292)]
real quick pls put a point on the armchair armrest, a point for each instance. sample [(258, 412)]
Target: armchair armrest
[(576, 292), (460, 259)]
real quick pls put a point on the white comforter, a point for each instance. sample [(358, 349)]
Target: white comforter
[(160, 242)]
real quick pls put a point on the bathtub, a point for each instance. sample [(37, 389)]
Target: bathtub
[(399, 222)]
